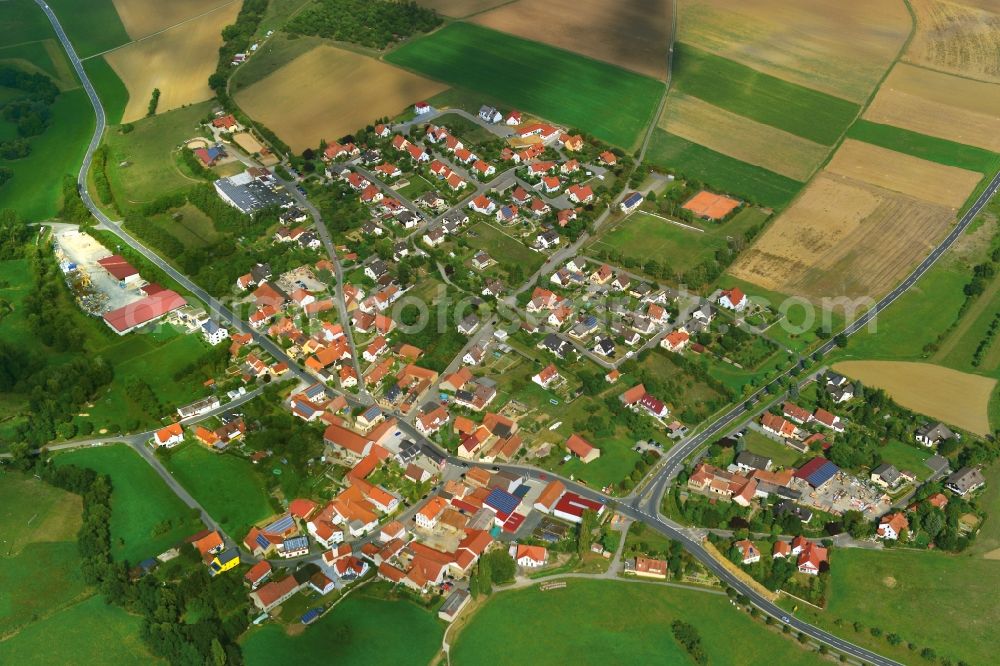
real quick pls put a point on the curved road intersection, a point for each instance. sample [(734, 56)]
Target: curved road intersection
[(644, 507)]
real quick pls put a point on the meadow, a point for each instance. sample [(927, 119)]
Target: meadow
[(147, 518), (147, 150), (594, 622), (229, 487), (642, 236), (612, 104), (90, 632), (111, 90), (349, 631), (92, 31), (721, 172), (906, 456), (507, 251), (783, 456), (893, 590), (729, 85)]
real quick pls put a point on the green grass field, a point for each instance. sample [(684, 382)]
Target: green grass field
[(906, 456), (35, 191), (94, 30), (926, 147), (356, 625), (146, 517), (506, 250), (152, 170), (898, 591), (643, 235), (111, 90), (735, 87), (606, 101), (227, 486), (23, 22), (988, 539), (781, 455), (193, 228), (91, 632), (595, 622), (720, 171)]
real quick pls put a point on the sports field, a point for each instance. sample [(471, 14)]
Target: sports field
[(893, 590), (147, 518), (839, 48), (227, 486), (936, 183), (721, 172), (634, 34), (177, 61), (821, 246), (938, 104), (959, 398), (90, 632), (642, 236), (733, 86), (613, 104), (365, 89), (926, 147), (741, 138), (957, 37), (350, 631), (595, 622)]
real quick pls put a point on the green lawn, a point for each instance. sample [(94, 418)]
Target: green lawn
[(91, 632), (35, 191), (988, 539), (193, 228), (931, 599), (146, 517), (22, 21), (690, 394), (595, 622), (719, 171), (151, 170), (781, 455), (745, 91), (611, 103), (506, 250), (642, 236), (227, 486), (113, 93), (906, 456), (350, 632), (416, 186), (39, 525), (926, 147), (92, 30)]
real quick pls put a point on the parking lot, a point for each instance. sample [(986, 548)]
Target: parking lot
[(96, 289)]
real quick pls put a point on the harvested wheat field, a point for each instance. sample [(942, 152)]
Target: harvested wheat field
[(740, 137), (178, 62), (461, 8), (841, 48), (942, 105), (843, 237), (346, 91), (633, 34), (937, 183), (961, 38), (958, 398), (144, 17)]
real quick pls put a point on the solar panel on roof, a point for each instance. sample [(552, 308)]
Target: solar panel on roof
[(823, 474), (502, 501), (280, 525), (262, 541)]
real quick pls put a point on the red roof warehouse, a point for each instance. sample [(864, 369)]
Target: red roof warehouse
[(143, 311), (118, 267)]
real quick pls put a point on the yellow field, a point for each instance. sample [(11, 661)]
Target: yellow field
[(461, 8), (843, 237), (961, 38), (144, 17), (328, 92), (937, 183), (632, 34), (745, 139), (940, 105), (842, 48), (178, 62), (958, 398)]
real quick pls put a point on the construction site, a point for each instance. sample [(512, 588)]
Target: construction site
[(96, 290)]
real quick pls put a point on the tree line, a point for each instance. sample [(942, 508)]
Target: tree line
[(374, 24)]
